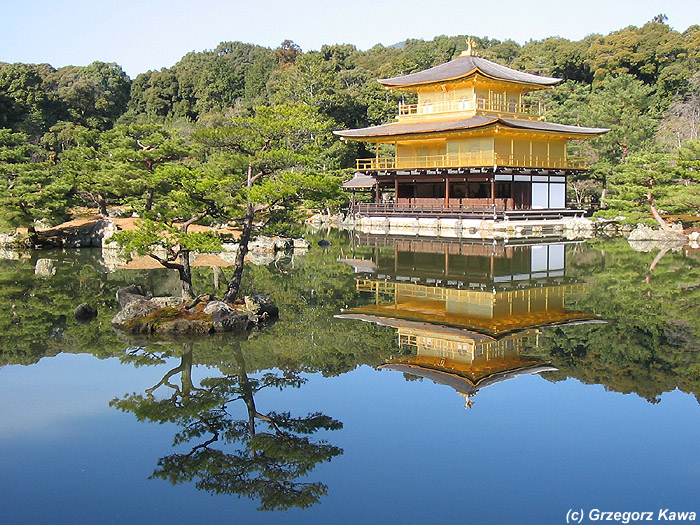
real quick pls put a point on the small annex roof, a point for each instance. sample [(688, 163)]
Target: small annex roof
[(395, 129), (464, 66), (360, 180)]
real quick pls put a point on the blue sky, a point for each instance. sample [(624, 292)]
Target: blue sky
[(151, 34)]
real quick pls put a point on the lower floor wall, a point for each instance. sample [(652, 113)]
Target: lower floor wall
[(524, 192)]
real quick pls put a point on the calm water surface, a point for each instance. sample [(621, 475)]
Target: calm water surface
[(407, 381)]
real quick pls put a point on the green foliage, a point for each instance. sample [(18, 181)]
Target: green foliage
[(94, 96), (643, 52), (31, 187), (647, 179), (122, 165), (642, 176), (287, 149), (229, 76), (33, 98), (153, 237), (180, 197), (650, 343)]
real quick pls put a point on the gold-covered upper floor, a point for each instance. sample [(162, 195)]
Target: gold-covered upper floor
[(470, 112), (481, 159)]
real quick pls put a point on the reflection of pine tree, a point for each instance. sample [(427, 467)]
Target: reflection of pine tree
[(248, 461)]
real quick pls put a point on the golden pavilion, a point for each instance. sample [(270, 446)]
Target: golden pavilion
[(473, 146)]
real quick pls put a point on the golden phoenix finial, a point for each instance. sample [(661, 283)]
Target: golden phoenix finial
[(471, 45)]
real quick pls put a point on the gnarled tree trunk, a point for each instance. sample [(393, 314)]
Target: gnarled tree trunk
[(185, 272), (655, 213), (234, 285)]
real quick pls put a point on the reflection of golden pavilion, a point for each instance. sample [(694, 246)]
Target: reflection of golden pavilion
[(466, 362), (493, 293), (467, 313)]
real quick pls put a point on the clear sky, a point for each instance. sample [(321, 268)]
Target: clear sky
[(151, 34)]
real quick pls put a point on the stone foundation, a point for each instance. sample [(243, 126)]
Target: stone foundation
[(575, 228)]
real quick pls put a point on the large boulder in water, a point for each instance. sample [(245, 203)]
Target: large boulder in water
[(135, 309), (84, 312), (129, 294), (645, 233), (262, 306), (170, 315)]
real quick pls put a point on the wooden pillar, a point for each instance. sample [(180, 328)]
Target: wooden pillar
[(396, 258), (447, 191), (493, 189), (396, 189), (376, 193)]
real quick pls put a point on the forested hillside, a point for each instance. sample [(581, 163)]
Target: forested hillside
[(91, 136)]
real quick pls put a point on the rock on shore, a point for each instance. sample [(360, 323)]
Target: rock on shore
[(143, 314)]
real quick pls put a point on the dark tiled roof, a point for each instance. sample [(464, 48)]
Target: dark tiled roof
[(427, 126), (464, 66), (456, 124), (360, 180), (552, 126)]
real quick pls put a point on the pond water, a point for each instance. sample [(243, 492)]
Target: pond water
[(407, 381)]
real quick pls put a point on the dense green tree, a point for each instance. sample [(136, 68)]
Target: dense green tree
[(684, 197), (328, 80), (122, 165), (31, 187), (184, 197), (621, 103), (156, 93), (656, 184), (642, 52), (230, 77), (93, 96), (639, 184), (24, 104), (556, 57), (284, 151)]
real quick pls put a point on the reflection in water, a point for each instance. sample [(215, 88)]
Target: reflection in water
[(465, 312), (650, 347), (464, 361), (260, 456)]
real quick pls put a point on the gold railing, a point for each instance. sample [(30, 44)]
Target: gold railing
[(470, 105), (471, 160)]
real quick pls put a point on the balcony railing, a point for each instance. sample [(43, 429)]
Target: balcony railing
[(496, 211), (471, 105), (470, 160)]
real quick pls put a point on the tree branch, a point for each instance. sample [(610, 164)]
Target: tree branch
[(166, 263)]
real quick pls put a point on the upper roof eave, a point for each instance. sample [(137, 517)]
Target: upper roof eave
[(397, 129), (464, 66)]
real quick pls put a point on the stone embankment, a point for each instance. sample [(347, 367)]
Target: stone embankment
[(96, 233), (569, 228), (144, 314)]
